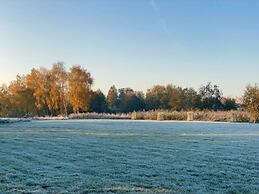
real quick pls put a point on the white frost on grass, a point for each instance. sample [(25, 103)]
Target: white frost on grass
[(255, 134), (13, 120), (128, 157)]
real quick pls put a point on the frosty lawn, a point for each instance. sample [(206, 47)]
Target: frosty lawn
[(128, 157)]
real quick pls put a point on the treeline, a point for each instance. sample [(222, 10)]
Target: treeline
[(169, 97), (57, 91)]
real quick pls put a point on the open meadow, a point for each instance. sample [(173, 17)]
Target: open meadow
[(78, 156)]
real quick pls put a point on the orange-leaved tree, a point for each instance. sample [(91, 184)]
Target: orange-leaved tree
[(79, 84)]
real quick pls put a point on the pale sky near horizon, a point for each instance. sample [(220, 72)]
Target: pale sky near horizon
[(135, 43)]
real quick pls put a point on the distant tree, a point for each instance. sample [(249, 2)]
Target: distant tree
[(98, 102), (134, 102), (157, 98), (210, 97), (229, 104), (22, 101), (130, 101), (176, 97), (4, 101), (112, 99), (39, 81), (123, 96), (251, 101), (80, 82), (171, 97), (191, 99), (58, 89)]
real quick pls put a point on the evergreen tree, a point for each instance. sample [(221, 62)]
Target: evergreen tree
[(112, 99), (98, 102)]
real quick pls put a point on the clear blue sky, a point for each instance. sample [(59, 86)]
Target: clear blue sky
[(135, 43)]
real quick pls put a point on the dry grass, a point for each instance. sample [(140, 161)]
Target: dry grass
[(160, 115), (98, 116), (220, 116)]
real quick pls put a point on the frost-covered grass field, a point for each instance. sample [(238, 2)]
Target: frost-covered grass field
[(128, 157)]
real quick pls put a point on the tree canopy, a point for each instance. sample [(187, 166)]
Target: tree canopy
[(56, 91), (251, 101)]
